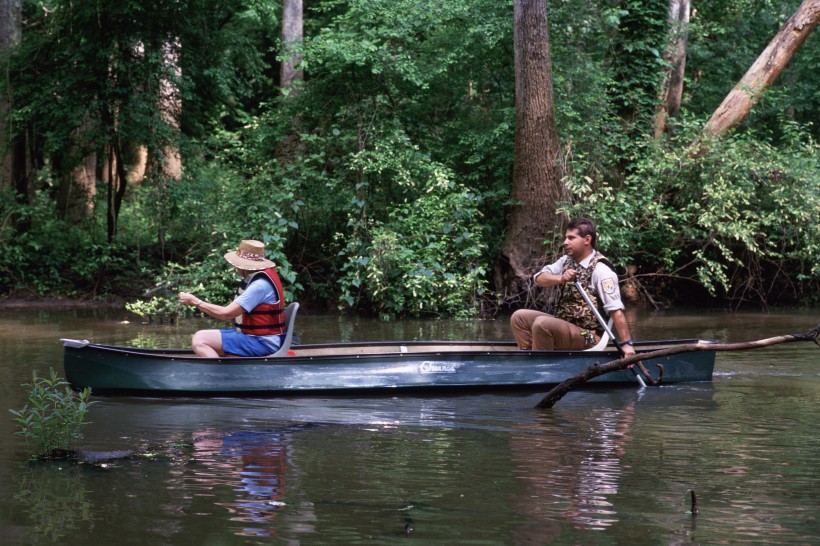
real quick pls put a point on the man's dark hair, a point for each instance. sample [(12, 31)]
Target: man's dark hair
[(585, 227)]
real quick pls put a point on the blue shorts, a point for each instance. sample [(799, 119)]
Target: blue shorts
[(236, 343)]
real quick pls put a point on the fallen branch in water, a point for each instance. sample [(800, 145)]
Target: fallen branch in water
[(567, 385)]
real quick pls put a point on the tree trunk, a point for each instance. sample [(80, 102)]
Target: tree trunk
[(75, 200), (12, 150), (111, 170), (162, 164), (170, 106), (765, 69), (291, 39), (671, 90), (537, 184), (290, 78)]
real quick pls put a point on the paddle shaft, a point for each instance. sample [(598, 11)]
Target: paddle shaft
[(606, 328)]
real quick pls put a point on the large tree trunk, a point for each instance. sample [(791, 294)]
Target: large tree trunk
[(75, 200), (291, 78), (170, 107), (537, 184), (12, 150), (671, 90), (765, 69), (160, 165), (292, 35)]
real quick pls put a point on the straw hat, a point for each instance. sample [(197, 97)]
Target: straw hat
[(250, 256)]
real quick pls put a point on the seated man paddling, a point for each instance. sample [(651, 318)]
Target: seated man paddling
[(574, 325), (258, 309)]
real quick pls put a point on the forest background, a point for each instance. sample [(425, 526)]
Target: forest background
[(372, 145)]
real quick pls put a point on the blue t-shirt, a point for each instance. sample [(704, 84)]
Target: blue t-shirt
[(258, 292)]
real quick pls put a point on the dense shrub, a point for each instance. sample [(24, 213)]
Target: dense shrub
[(739, 216), (426, 258)]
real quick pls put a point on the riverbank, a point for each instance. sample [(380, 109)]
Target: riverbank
[(61, 303)]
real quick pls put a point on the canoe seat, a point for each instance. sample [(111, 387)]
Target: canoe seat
[(601, 345), (290, 319)]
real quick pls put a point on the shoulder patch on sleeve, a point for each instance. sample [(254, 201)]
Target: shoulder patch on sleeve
[(608, 286)]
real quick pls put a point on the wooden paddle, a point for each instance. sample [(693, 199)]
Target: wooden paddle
[(607, 329)]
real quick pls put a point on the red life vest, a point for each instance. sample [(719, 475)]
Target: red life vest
[(266, 319)]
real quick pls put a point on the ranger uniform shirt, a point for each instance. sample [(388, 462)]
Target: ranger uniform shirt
[(604, 281)]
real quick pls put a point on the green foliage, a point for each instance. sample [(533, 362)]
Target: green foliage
[(399, 97), (413, 89), (52, 255), (161, 309), (426, 259), (740, 218), (51, 420), (220, 208)]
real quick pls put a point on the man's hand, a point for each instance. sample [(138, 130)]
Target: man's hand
[(188, 299), (569, 276)]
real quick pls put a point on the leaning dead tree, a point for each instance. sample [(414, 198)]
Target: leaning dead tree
[(558, 392), (765, 69)]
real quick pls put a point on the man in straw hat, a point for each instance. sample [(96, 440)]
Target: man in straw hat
[(258, 311)]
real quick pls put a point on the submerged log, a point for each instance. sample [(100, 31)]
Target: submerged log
[(558, 392)]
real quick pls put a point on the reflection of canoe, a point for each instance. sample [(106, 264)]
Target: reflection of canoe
[(172, 418), (354, 367)]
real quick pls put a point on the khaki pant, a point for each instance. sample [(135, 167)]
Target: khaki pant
[(542, 332)]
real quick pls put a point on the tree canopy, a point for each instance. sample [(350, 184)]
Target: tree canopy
[(381, 181)]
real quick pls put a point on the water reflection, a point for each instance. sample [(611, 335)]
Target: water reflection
[(55, 499), (572, 467), (601, 466), (253, 465)]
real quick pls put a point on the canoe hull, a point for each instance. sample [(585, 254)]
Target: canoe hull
[(332, 368)]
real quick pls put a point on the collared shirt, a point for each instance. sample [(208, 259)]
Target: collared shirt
[(604, 281)]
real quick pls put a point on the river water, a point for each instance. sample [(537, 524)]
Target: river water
[(602, 467)]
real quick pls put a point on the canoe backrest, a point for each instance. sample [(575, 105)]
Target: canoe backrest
[(290, 319)]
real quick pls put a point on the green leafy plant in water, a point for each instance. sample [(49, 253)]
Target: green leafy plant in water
[(51, 420)]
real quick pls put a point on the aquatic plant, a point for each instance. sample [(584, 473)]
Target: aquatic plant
[(51, 420)]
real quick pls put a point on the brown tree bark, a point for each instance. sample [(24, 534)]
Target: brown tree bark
[(75, 199), (671, 90), (765, 69), (163, 163), (537, 186), (560, 390)]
